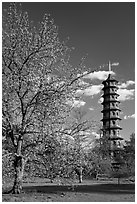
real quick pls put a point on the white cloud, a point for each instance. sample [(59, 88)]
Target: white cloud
[(100, 100), (90, 91), (115, 64), (125, 94), (81, 83), (78, 103), (101, 75), (91, 109), (126, 84), (129, 116)]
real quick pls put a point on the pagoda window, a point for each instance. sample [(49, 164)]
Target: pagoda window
[(107, 123), (119, 144), (114, 154), (107, 91), (114, 142), (114, 132)]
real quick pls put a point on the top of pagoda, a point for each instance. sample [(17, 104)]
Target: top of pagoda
[(110, 77)]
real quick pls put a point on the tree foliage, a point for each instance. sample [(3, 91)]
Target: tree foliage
[(37, 81), (129, 155)]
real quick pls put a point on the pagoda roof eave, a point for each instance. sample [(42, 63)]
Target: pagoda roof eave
[(110, 101), (111, 118), (109, 94), (110, 109), (110, 86), (111, 128), (115, 138), (109, 80)]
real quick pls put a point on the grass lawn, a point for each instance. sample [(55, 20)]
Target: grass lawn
[(88, 191)]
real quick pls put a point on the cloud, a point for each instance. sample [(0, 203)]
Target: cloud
[(81, 83), (100, 75), (90, 91), (126, 84), (129, 116), (91, 109), (126, 94), (100, 100), (115, 64), (78, 103)]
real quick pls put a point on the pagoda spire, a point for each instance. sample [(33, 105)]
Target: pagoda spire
[(112, 64), (109, 66)]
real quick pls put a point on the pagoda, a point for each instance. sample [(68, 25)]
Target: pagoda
[(111, 119)]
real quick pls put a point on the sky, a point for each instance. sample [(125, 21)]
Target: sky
[(106, 32)]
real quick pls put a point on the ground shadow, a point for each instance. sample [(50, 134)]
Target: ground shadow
[(90, 188)]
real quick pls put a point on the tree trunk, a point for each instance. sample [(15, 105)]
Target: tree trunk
[(80, 175), (118, 180), (19, 165), (80, 178), (78, 170)]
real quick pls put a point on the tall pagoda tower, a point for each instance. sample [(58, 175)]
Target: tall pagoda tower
[(111, 119)]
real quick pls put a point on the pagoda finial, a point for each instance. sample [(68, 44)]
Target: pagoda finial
[(109, 66)]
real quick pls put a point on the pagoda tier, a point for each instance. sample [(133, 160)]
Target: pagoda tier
[(109, 80), (111, 117), (110, 109), (115, 138), (110, 101), (112, 127), (111, 86), (109, 93)]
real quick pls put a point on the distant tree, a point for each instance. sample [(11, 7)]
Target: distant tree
[(98, 163), (129, 155), (79, 127), (37, 83), (124, 165), (67, 158)]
